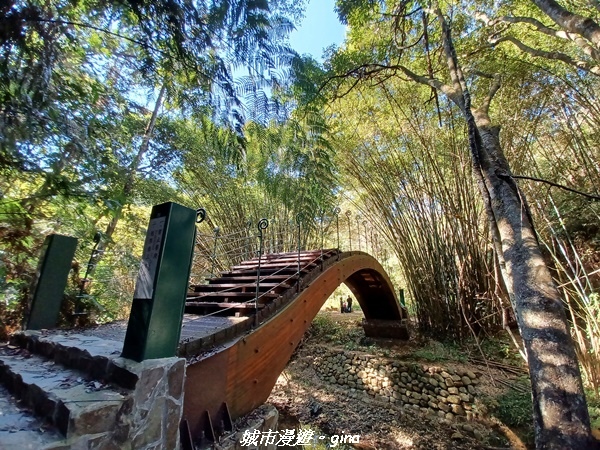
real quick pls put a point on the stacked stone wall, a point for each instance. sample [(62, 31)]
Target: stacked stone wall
[(447, 392)]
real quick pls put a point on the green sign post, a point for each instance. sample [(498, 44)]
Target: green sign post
[(156, 314), (52, 276)]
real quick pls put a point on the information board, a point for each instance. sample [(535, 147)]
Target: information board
[(144, 286)]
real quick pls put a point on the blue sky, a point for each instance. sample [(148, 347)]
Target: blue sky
[(319, 29)]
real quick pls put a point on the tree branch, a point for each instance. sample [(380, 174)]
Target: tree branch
[(560, 186), (370, 70), (92, 27), (540, 27), (571, 22), (550, 55), (485, 106)]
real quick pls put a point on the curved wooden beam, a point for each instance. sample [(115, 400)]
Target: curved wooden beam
[(243, 374)]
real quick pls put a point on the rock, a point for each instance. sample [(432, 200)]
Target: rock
[(433, 382), (471, 389), (444, 393), (468, 428), (466, 380), (470, 374), (443, 407), (465, 398), (449, 382), (454, 399), (445, 374), (457, 436), (458, 410), (453, 390)]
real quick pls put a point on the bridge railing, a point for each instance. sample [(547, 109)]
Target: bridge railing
[(220, 249), (288, 280)]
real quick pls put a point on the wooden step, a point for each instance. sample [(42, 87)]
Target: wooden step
[(303, 266), (231, 277), (236, 287), (287, 261), (224, 305), (266, 271), (220, 296)]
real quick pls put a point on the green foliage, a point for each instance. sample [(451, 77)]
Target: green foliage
[(325, 328), (514, 409), (499, 348), (593, 403), (440, 351)]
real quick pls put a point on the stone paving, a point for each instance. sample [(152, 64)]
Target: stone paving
[(19, 428), (107, 340), (90, 394)]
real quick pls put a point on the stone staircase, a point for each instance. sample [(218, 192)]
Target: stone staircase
[(71, 391), (19, 429)]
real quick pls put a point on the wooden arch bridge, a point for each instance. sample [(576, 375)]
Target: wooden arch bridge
[(271, 303), (237, 333)]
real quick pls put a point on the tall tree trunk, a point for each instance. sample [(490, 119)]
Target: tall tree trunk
[(560, 412), (128, 185), (561, 418)]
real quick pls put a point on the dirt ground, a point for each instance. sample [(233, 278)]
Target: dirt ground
[(302, 395)]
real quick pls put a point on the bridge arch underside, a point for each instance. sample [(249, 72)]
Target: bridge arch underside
[(375, 295), (242, 375)]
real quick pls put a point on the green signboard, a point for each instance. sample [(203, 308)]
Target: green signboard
[(154, 324), (52, 276)]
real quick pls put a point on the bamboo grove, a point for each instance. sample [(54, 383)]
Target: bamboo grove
[(102, 116)]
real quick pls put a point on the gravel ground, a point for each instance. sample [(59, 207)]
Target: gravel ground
[(303, 396)]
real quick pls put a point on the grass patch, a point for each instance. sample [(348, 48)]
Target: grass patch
[(515, 410), (326, 329), (435, 351), (501, 349), (593, 403)]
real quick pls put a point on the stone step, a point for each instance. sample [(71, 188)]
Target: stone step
[(63, 397), (93, 356), (21, 430)]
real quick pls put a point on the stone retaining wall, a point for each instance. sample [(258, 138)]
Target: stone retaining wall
[(447, 392), (156, 403)]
